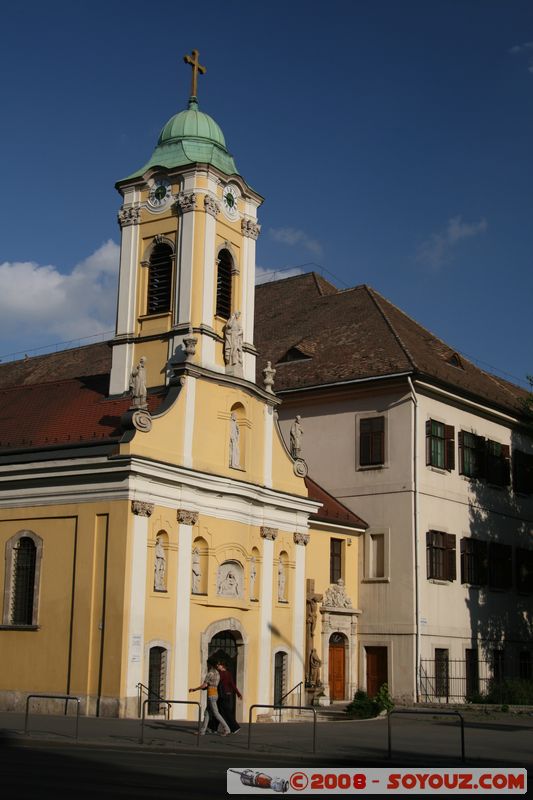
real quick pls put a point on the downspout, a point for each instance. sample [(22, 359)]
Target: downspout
[(415, 530)]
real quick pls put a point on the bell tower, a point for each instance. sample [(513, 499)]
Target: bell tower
[(187, 256)]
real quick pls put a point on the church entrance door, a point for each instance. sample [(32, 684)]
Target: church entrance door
[(224, 646), (337, 666)]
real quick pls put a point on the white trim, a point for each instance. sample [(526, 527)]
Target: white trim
[(139, 557), (268, 442), (188, 435), (184, 269), (183, 615), (298, 618), (264, 688), (469, 403)]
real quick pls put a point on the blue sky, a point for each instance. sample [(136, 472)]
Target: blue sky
[(391, 141)]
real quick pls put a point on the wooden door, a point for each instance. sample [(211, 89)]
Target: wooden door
[(336, 671), (376, 669)]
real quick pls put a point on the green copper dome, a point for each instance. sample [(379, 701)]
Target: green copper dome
[(190, 137)]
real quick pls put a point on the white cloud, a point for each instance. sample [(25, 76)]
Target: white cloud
[(263, 275), (524, 49), (40, 301), (438, 249), (293, 237)]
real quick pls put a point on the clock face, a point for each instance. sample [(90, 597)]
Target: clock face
[(159, 193), (229, 201)]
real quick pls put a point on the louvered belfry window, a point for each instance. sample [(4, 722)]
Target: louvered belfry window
[(23, 582), (160, 279), (225, 268)]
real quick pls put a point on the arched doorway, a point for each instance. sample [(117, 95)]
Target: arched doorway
[(223, 646), (338, 644), (157, 669)]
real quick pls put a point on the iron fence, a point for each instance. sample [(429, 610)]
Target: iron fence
[(444, 680)]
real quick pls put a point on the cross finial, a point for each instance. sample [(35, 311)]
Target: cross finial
[(196, 68)]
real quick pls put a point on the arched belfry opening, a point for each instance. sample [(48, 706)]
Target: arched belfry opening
[(160, 279), (224, 279)]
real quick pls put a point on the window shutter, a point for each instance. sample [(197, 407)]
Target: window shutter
[(428, 442), (451, 571), (506, 465), (460, 438), (481, 457), (449, 435)]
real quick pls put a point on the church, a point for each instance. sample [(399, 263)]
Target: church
[(151, 513)]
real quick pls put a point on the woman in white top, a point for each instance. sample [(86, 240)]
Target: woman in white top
[(210, 682)]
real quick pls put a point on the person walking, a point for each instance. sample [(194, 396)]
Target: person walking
[(226, 693), (210, 682)]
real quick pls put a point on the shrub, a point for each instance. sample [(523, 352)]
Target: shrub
[(383, 699), (365, 707)]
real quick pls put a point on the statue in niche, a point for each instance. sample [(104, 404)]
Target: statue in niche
[(228, 585), (314, 669), (196, 572), (281, 581), (233, 341), (138, 385), (253, 574), (296, 437), (234, 449), (160, 567)]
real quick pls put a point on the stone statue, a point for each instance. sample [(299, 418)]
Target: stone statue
[(269, 373), (281, 581), (296, 437), (335, 596), (233, 343), (160, 566), (234, 449), (196, 572), (314, 669), (312, 613), (253, 574), (228, 585), (138, 385)]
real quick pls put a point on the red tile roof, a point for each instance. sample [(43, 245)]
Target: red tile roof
[(332, 510)]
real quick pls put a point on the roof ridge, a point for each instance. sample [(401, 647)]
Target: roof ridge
[(372, 292)]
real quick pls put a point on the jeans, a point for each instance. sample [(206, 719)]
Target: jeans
[(212, 708)]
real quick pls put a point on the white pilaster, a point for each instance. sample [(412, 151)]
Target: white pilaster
[(264, 688), (184, 262), (269, 431), (190, 408), (137, 604), (208, 296), (183, 615), (298, 621)]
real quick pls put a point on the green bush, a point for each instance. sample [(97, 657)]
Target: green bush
[(513, 691), (365, 707), (383, 699)]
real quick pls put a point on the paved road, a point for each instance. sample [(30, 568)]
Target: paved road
[(108, 762)]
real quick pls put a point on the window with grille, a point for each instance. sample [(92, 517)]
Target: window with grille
[(442, 672), (23, 587), (500, 566), (440, 555), (440, 445), (224, 277), (372, 441), (160, 279), (474, 561), (472, 673), (335, 560), (157, 679)]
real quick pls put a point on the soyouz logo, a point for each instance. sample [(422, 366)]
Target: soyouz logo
[(376, 781)]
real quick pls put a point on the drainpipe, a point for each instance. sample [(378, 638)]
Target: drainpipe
[(415, 529)]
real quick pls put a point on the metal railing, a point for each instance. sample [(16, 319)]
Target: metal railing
[(173, 702), (433, 712), (65, 697), (476, 680), (153, 697), (281, 708), (287, 694)]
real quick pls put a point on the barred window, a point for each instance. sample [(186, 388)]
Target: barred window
[(160, 279), (442, 672), (23, 559)]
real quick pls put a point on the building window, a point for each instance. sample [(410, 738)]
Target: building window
[(157, 679), (524, 666), (500, 566), (498, 467), (280, 676), (440, 555), (377, 555), (471, 455), (442, 672), (160, 279), (474, 561), (23, 562), (372, 441), (472, 673), (522, 472), (224, 273), (440, 445), (524, 570), (335, 560)]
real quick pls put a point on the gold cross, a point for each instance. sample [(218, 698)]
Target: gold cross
[(196, 68)]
